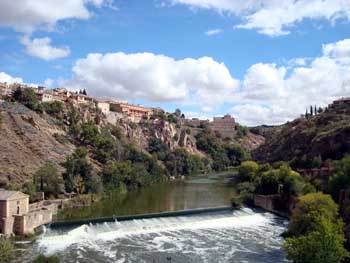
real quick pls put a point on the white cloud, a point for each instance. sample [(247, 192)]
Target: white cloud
[(272, 95), (275, 17), (339, 49), (153, 77), (41, 48), (213, 32), (26, 16), (9, 79)]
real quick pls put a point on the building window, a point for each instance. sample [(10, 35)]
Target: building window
[(17, 210), (17, 202)]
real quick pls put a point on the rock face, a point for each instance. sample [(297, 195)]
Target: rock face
[(167, 132), (326, 135), (27, 141)]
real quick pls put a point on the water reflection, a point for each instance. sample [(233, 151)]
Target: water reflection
[(194, 192)]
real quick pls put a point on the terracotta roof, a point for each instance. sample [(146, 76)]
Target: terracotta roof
[(6, 195)]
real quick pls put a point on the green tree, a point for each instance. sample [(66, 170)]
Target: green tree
[(340, 178), (105, 147), (27, 97), (48, 180), (77, 165), (247, 170), (158, 147), (325, 244), (89, 132), (308, 208)]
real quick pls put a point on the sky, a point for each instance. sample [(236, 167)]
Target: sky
[(262, 61)]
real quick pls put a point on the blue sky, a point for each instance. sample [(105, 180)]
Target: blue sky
[(284, 56)]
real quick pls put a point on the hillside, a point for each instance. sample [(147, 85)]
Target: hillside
[(326, 134), (27, 141)]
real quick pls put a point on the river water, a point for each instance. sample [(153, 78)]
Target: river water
[(243, 235)]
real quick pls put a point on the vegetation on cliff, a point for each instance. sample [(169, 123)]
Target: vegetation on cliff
[(325, 135)]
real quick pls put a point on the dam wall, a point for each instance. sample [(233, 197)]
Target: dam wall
[(72, 223)]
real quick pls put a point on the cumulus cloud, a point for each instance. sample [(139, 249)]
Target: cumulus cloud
[(275, 17), (26, 16), (213, 32), (9, 79), (153, 77), (339, 49), (42, 48), (271, 94)]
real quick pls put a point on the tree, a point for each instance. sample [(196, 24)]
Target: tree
[(105, 148), (77, 165), (247, 170), (324, 245), (89, 132), (178, 113), (308, 208), (48, 180), (27, 97), (158, 147), (340, 178)]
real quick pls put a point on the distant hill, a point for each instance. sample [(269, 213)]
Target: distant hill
[(326, 134)]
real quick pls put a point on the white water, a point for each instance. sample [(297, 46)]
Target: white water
[(241, 236)]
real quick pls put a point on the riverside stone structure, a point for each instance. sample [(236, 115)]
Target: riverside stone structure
[(18, 217), (225, 126)]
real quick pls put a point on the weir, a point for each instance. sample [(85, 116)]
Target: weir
[(70, 223)]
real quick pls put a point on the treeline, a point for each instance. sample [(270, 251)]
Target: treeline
[(318, 230)]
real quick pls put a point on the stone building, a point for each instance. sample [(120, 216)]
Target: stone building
[(225, 126), (45, 95), (16, 216), (134, 112), (103, 105)]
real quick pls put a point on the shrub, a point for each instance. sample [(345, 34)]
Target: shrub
[(6, 250), (46, 259), (247, 170)]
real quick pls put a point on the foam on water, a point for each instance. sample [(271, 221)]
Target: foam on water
[(186, 234)]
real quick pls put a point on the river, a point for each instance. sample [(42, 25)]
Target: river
[(244, 235)]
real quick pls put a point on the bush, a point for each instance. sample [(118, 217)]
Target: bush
[(46, 259), (247, 170), (6, 250), (54, 108)]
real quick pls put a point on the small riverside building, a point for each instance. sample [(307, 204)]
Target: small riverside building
[(16, 215)]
